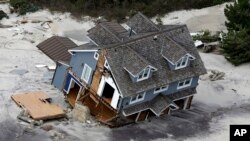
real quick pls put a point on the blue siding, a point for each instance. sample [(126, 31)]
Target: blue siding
[(67, 82), (172, 88), (59, 75), (79, 59), (171, 66)]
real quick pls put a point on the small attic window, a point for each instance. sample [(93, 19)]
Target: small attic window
[(143, 75), (96, 55), (106, 65)]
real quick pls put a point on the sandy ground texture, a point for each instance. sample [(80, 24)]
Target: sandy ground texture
[(216, 105), (211, 18)]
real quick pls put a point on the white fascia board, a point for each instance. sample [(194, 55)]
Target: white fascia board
[(190, 56), (70, 51), (63, 63), (141, 70)]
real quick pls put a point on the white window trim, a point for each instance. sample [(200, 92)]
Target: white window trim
[(106, 65), (184, 86), (161, 89), (181, 60), (137, 100), (143, 78), (96, 55), (84, 69)]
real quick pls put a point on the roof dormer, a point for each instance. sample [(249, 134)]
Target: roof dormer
[(138, 67), (176, 55)]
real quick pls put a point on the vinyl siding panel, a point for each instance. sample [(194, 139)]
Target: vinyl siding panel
[(59, 76), (79, 59), (172, 88)]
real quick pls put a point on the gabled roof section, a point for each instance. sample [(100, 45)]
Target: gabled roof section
[(106, 33), (141, 24), (151, 50), (172, 51), (114, 27), (57, 48), (133, 62)]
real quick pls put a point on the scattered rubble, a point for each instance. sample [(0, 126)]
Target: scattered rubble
[(80, 113), (30, 121), (46, 127), (213, 75), (216, 75), (209, 47)]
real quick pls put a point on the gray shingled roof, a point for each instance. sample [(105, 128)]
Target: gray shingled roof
[(133, 62), (159, 103), (172, 51), (141, 24), (173, 42), (150, 49), (102, 36), (57, 48), (114, 27)]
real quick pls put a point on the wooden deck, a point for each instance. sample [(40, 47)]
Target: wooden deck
[(38, 106)]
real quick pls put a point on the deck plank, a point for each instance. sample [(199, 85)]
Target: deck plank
[(37, 105)]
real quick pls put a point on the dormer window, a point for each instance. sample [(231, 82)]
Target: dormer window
[(144, 74), (182, 63)]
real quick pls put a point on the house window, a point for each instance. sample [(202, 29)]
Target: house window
[(144, 75), (86, 73), (182, 63), (106, 65), (184, 84), (160, 89), (137, 98), (96, 55)]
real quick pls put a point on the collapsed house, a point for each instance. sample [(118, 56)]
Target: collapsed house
[(128, 73)]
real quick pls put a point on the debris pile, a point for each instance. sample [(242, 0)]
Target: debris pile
[(80, 113), (213, 75), (38, 106)]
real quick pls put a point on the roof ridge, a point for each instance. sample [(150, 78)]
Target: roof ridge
[(142, 37)]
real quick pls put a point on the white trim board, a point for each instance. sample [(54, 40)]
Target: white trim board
[(86, 66)]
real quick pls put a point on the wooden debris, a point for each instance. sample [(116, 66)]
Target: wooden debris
[(29, 120), (38, 106)]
